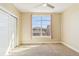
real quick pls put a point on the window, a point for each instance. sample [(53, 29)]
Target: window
[(41, 25)]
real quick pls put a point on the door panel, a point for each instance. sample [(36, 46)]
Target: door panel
[(12, 31)]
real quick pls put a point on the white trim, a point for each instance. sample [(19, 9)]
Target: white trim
[(10, 13), (35, 37), (70, 47)]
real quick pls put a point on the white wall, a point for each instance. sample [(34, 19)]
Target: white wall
[(70, 26)]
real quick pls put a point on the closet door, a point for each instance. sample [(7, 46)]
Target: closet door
[(4, 38), (7, 32)]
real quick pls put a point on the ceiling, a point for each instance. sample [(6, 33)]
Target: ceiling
[(34, 7)]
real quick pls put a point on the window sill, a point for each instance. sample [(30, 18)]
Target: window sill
[(37, 37)]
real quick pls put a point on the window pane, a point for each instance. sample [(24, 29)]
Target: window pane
[(36, 23), (45, 23), (36, 26), (36, 18), (36, 31), (48, 18), (46, 27)]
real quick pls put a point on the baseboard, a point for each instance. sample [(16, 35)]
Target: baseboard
[(70, 46), (40, 43)]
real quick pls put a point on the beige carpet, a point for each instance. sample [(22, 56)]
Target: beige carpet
[(43, 50)]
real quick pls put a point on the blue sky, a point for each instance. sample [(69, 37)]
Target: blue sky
[(36, 21)]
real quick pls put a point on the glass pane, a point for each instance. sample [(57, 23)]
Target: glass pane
[(36, 31), (36, 18), (46, 28), (47, 18), (45, 23), (36, 26)]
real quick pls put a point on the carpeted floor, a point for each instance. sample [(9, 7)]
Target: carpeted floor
[(43, 50)]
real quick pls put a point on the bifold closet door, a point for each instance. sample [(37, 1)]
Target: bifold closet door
[(7, 32)]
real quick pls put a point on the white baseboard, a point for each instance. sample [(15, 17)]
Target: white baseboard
[(70, 47), (40, 42)]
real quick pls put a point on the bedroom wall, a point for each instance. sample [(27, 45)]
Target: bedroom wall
[(26, 27), (70, 27)]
